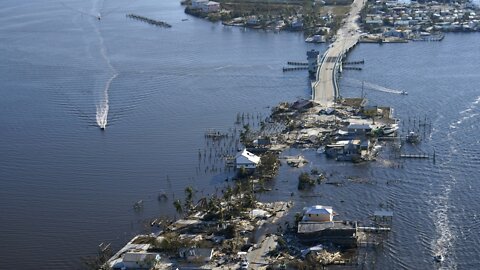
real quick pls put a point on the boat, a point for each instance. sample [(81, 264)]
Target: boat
[(389, 129), (404, 93), (321, 150), (315, 39), (438, 258), (413, 137)]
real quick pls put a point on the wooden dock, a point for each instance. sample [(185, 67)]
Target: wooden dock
[(285, 69), (414, 156), (437, 37), (354, 62), (352, 68), (297, 63)]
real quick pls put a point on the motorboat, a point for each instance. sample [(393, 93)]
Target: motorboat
[(404, 93), (438, 258), (389, 129), (413, 137)]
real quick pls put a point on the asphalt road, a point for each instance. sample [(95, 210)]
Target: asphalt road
[(347, 36)]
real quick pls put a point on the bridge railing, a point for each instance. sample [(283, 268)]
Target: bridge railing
[(319, 66)]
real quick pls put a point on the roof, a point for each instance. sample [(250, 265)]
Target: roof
[(306, 227), (259, 213), (312, 227), (359, 126), (252, 158), (198, 252), (140, 256), (318, 210)]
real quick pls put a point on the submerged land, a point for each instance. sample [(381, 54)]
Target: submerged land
[(232, 229)]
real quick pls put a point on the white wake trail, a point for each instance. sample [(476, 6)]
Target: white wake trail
[(103, 98), (446, 236), (102, 105), (376, 87)]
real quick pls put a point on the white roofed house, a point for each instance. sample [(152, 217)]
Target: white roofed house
[(318, 226), (246, 160), (211, 6), (318, 213), (136, 260), (206, 5)]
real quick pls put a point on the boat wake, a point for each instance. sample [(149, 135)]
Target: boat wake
[(222, 67), (375, 87), (102, 105), (443, 244), (467, 114), (102, 99)]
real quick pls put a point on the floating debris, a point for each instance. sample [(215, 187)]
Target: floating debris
[(138, 205), (298, 161)]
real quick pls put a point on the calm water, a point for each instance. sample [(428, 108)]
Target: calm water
[(66, 186)]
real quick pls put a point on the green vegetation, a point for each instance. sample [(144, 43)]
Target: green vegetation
[(172, 243), (178, 206), (269, 164), (246, 136), (305, 181)]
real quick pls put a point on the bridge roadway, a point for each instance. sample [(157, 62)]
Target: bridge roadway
[(325, 90)]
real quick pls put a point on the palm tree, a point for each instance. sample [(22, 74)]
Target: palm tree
[(203, 203), (178, 206), (227, 194), (188, 197)]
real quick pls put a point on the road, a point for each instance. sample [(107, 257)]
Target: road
[(257, 257), (324, 89)]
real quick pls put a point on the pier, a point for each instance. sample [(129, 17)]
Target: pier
[(297, 63), (148, 20), (361, 62), (285, 69), (325, 88), (414, 156), (352, 68)]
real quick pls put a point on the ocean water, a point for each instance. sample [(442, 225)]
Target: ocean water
[(66, 186)]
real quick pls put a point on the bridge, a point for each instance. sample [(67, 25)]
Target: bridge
[(325, 88)]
